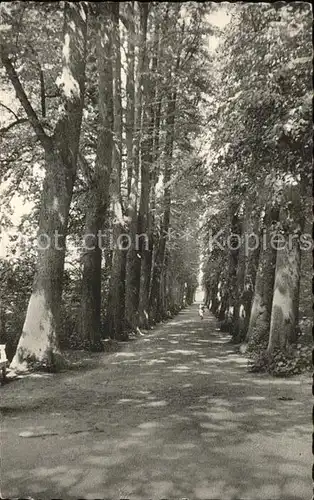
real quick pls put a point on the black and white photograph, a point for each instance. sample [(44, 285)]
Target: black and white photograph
[(156, 253)]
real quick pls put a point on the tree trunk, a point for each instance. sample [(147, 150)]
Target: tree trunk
[(145, 220), (246, 273), (233, 278), (133, 259), (3, 333), (156, 121), (214, 302), (146, 265), (190, 294), (116, 298), (158, 270), (223, 305), (285, 304), (90, 311), (251, 265), (258, 331), (38, 346), (130, 95)]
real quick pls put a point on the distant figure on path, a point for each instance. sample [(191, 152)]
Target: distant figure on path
[(201, 311)]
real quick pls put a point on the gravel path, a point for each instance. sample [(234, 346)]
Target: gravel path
[(173, 415)]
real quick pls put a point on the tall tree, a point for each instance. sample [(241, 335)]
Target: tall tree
[(285, 303), (259, 144), (99, 191), (258, 329), (116, 298), (38, 345), (155, 298), (133, 261), (148, 178)]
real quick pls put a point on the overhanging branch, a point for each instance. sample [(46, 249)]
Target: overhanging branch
[(9, 109), (29, 110), (13, 124)]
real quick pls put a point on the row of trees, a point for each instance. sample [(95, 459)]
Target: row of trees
[(261, 157), (103, 125)]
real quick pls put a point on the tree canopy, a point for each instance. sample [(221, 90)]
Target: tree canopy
[(126, 134)]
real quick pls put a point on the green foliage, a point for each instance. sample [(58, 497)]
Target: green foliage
[(260, 137), (16, 278), (292, 361), (242, 124)]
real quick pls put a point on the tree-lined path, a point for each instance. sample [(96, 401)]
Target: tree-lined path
[(151, 151), (174, 414)]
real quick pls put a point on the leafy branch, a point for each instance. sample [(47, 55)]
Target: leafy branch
[(19, 121), (20, 92)]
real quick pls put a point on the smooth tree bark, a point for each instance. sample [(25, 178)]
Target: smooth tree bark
[(259, 324), (175, 290), (38, 346), (148, 179), (116, 298), (190, 293), (234, 274), (246, 298), (155, 302), (212, 283), (98, 203), (223, 307), (223, 290), (130, 95), (213, 299), (3, 335), (157, 305), (156, 110), (133, 260), (285, 303), (246, 273)]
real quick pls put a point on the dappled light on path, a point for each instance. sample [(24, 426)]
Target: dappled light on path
[(174, 415)]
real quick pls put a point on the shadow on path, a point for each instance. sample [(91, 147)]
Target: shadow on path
[(173, 415)]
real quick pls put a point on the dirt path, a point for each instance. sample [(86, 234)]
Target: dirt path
[(174, 415)]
